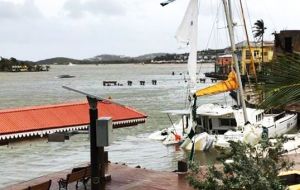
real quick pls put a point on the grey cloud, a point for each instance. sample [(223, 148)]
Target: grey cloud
[(78, 8), (10, 10)]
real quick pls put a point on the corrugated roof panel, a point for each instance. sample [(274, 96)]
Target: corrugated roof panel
[(62, 115)]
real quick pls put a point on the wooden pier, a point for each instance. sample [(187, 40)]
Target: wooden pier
[(109, 83), (122, 178)]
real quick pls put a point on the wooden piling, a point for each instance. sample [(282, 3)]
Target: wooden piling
[(154, 82), (202, 80)]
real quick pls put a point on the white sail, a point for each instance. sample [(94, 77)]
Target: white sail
[(187, 34)]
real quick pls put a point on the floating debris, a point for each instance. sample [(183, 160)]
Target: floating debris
[(65, 76)]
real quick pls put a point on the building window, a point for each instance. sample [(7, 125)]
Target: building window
[(265, 53), (248, 54), (256, 53)]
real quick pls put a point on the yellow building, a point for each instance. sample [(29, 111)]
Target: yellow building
[(244, 55)]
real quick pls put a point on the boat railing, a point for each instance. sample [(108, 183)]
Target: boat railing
[(279, 116)]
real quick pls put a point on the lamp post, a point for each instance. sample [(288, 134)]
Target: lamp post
[(95, 162), (98, 177)]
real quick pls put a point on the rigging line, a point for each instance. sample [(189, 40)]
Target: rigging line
[(212, 28), (271, 19), (216, 31), (239, 33), (220, 37), (186, 97), (197, 75), (172, 123), (227, 35), (252, 32), (249, 18), (249, 45), (211, 32)]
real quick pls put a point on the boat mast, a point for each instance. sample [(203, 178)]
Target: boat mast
[(228, 13)]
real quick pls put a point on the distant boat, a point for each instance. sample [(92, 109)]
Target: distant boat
[(70, 64), (65, 76)]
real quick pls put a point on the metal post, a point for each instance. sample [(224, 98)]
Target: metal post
[(95, 161), (97, 153), (234, 56), (102, 167)]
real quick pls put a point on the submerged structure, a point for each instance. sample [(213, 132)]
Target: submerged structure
[(20, 123)]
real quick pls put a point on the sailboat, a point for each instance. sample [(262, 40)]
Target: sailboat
[(213, 125), (245, 124), (185, 35)]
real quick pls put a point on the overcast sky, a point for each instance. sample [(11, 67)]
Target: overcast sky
[(39, 29)]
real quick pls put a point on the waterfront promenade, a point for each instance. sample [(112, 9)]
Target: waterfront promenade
[(123, 178)]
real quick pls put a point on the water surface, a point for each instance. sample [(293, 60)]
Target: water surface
[(33, 158)]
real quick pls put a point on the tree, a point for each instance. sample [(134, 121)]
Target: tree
[(281, 82), (244, 167), (259, 31)]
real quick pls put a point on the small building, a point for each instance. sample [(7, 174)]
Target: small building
[(244, 55), (287, 41), (223, 64)]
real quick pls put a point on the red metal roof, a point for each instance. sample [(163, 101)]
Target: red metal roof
[(38, 118)]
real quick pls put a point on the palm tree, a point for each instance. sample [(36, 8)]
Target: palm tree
[(281, 82), (259, 30)]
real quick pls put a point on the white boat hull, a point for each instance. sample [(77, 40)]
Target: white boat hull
[(202, 141)]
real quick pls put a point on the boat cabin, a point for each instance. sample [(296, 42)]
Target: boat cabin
[(218, 119)]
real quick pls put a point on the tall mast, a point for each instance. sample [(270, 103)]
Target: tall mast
[(228, 14)]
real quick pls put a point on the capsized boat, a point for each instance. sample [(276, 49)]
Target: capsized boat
[(225, 123), (219, 122), (271, 126), (175, 129)]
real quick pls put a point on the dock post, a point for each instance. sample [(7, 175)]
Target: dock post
[(95, 161), (129, 83), (182, 166)]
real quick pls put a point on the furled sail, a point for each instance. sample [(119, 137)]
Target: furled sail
[(187, 34), (223, 86)]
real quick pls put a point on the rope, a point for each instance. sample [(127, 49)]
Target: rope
[(249, 45), (192, 151), (172, 123)]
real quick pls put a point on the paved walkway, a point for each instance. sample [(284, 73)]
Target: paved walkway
[(128, 178), (123, 178)]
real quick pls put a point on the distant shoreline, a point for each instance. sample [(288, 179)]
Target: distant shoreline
[(132, 63)]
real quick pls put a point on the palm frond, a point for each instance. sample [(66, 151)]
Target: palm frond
[(259, 29), (281, 82)]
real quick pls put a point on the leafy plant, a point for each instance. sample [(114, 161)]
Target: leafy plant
[(243, 166), (281, 81)]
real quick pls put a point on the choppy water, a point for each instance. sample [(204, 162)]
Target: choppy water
[(30, 159)]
